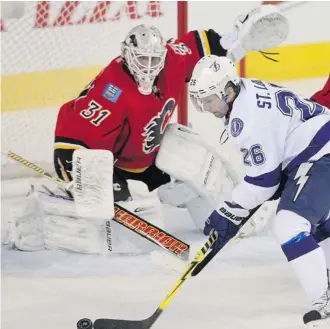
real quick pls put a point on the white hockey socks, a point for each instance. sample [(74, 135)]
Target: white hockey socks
[(310, 269), (325, 244), (303, 252)]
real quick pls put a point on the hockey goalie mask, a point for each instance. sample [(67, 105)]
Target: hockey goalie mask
[(208, 88), (144, 52)]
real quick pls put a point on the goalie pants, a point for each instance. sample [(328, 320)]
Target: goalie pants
[(152, 177)]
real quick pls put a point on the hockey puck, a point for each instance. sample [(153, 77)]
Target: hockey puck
[(85, 324)]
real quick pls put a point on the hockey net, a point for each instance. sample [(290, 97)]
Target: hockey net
[(51, 52)]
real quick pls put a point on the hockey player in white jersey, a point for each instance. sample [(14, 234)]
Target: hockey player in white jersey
[(284, 139)]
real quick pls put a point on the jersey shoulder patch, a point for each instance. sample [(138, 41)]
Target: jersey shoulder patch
[(236, 127), (111, 92)]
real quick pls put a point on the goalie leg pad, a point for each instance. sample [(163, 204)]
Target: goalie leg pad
[(176, 193), (48, 221), (199, 209), (190, 158), (25, 226)]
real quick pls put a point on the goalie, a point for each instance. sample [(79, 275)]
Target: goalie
[(128, 105)]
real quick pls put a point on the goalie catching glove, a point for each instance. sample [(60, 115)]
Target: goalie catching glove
[(262, 28), (226, 222)]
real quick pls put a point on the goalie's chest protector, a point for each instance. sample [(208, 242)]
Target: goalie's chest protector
[(150, 114)]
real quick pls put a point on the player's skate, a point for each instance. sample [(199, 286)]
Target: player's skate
[(320, 312)]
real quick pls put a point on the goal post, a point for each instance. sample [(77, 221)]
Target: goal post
[(51, 50), (182, 29)]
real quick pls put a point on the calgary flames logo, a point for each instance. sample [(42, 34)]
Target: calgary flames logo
[(154, 130)]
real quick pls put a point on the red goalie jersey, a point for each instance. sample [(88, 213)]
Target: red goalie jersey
[(110, 113), (323, 96)]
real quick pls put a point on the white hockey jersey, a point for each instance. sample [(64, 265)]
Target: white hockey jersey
[(276, 130)]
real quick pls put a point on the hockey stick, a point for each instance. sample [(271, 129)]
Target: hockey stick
[(148, 322), (215, 251), (124, 217)]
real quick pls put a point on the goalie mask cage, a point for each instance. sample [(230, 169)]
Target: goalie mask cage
[(51, 50)]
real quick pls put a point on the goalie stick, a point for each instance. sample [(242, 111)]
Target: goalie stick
[(148, 322), (124, 217)]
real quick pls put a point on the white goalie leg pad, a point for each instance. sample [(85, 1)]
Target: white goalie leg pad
[(176, 193), (64, 230), (205, 173), (200, 209), (187, 156), (149, 209), (25, 229), (46, 220)]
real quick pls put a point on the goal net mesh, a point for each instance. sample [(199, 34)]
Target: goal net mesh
[(50, 53)]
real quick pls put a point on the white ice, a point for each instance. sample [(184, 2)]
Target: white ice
[(249, 286)]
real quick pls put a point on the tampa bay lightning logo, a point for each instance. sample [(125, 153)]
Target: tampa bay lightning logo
[(154, 130), (236, 127), (215, 67)]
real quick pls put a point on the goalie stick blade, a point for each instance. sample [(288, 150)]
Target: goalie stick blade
[(127, 324), (151, 232)]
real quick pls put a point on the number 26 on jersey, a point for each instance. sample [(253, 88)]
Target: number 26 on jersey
[(254, 155)]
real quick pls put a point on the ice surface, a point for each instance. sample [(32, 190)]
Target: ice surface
[(247, 286)]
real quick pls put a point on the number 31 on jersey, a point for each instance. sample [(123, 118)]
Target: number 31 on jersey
[(93, 109)]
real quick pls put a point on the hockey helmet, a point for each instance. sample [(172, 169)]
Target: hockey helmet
[(209, 83), (144, 52)]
